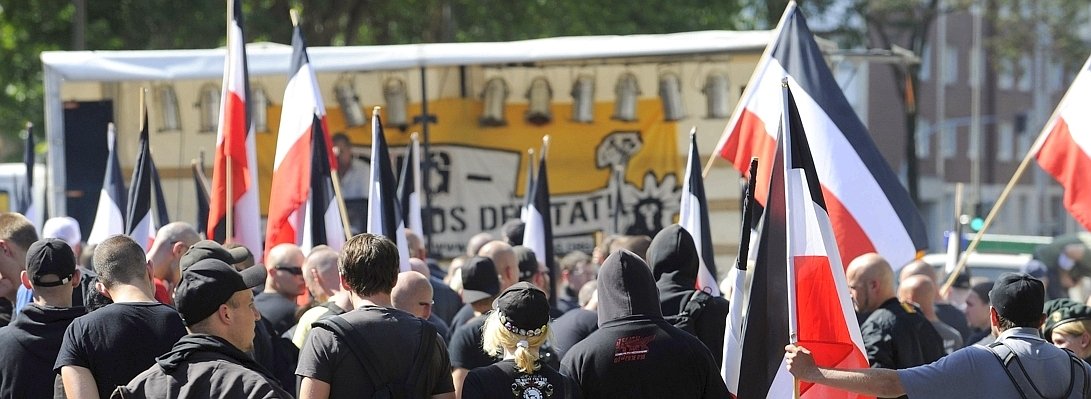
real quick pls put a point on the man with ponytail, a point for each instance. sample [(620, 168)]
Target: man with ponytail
[(516, 329)]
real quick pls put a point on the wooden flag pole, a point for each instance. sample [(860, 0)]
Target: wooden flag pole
[(341, 208)]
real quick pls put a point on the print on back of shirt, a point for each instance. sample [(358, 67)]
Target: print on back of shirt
[(628, 349)]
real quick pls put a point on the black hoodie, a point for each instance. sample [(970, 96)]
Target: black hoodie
[(203, 366), (635, 353), (31, 342), (674, 261)]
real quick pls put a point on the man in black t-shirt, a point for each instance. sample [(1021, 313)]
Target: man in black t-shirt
[(480, 285), (402, 351), (29, 345), (578, 323), (108, 347), (285, 282)]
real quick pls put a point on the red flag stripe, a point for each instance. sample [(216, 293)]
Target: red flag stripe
[(1066, 160)]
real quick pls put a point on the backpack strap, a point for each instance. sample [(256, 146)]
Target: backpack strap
[(1004, 355), (357, 345), (1007, 357), (428, 336)]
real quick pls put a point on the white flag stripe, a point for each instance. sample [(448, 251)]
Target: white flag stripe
[(298, 111), (534, 233), (1074, 112), (108, 220)]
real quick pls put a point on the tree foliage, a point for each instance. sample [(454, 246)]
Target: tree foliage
[(28, 27)]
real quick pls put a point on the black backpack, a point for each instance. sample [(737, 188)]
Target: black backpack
[(357, 344), (689, 311)]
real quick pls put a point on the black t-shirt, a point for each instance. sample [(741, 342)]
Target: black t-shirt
[(447, 301), (277, 310), (502, 380), (642, 358), (571, 328), (6, 310), (464, 315), (953, 317), (119, 341), (465, 349), (393, 337)]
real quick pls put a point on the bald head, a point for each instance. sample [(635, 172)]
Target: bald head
[(507, 264), (917, 268), (476, 242), (171, 241), (413, 293), (419, 266), (320, 273), (416, 245), (871, 282), (285, 268), (920, 290)]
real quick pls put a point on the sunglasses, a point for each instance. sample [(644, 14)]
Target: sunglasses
[(298, 271)]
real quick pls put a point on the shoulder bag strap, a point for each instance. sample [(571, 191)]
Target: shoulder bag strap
[(357, 345), (427, 338), (1004, 358)]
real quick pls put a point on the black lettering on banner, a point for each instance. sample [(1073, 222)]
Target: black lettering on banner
[(487, 218), (578, 215), (458, 219)]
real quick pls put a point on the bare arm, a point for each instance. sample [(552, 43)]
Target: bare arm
[(459, 377), (79, 383), (873, 382), (312, 388)]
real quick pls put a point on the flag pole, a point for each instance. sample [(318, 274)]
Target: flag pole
[(336, 177), (545, 146), (752, 84), (785, 145)]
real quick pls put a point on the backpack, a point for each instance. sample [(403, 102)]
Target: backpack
[(689, 311), (357, 343), (1022, 381)]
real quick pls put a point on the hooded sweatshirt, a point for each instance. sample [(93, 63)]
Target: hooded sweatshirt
[(203, 366), (32, 341), (635, 353), (674, 261)]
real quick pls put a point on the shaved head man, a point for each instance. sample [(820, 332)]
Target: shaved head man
[(507, 264), (944, 310), (171, 242), (921, 290), (895, 334), (476, 242), (283, 284), (412, 293), (320, 273), (917, 267)]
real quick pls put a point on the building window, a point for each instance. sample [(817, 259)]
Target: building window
[(1024, 138), (1026, 74), (169, 120), (1005, 140), (1006, 75), (209, 105), (924, 138), (950, 70), (950, 141)]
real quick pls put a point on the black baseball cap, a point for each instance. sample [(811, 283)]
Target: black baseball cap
[(208, 249), (523, 309), (50, 256), (479, 279), (209, 283), (528, 263), (1018, 297)]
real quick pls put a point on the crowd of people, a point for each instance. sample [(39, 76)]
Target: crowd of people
[(194, 318)]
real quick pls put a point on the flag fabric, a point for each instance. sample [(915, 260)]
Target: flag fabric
[(538, 231), (383, 215), (138, 214), (1063, 149), (869, 209), (322, 222), (733, 330), (200, 186), (297, 171), (528, 192), (693, 216), (110, 216), (799, 285), (234, 171), (25, 199), (160, 214), (409, 189)]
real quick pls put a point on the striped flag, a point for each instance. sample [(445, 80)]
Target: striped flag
[(869, 209), (138, 215), (110, 217), (322, 223), (200, 186), (528, 192), (297, 170), (733, 329), (25, 196), (538, 232), (160, 215), (1064, 147), (235, 151), (383, 216), (693, 216), (409, 189), (799, 293)]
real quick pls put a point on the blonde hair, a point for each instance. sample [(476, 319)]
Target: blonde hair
[(1074, 327), (496, 339)]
